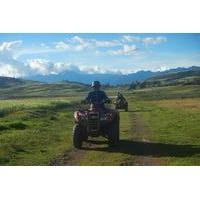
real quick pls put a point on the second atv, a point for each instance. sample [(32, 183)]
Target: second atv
[(121, 102)]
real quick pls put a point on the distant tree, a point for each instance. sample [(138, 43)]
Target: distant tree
[(157, 83), (196, 81), (134, 85), (143, 84)]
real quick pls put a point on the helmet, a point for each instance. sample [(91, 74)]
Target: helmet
[(95, 84)]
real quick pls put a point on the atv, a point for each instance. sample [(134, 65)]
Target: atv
[(95, 122), (121, 104)]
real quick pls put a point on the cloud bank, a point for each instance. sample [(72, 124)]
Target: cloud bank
[(126, 46), (9, 65)]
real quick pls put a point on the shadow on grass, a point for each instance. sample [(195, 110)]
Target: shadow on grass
[(137, 110), (140, 148)]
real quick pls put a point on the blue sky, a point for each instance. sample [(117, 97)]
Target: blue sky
[(22, 54)]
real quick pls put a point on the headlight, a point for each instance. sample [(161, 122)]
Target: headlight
[(78, 115)]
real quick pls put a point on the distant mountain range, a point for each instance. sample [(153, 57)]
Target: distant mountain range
[(72, 77), (112, 79)]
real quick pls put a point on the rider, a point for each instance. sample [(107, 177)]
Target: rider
[(97, 96), (119, 97)]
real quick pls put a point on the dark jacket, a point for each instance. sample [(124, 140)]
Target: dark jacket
[(97, 97)]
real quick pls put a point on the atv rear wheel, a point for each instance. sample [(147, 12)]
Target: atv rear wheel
[(77, 136)]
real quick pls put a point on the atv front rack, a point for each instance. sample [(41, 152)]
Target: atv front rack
[(93, 123)]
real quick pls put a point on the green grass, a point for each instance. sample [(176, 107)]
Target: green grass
[(168, 92), (176, 129), (35, 133), (42, 90)]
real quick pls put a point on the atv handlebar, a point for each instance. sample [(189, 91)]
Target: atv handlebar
[(102, 102)]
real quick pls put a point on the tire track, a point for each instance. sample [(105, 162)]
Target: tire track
[(143, 134)]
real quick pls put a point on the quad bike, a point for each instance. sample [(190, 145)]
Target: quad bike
[(121, 104), (95, 122)]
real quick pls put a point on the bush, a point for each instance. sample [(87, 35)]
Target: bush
[(3, 127), (18, 125)]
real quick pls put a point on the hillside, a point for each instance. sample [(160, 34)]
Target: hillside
[(17, 88), (189, 76), (185, 78), (10, 82)]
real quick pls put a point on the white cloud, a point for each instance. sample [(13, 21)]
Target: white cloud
[(93, 69), (46, 67), (62, 45), (104, 43), (106, 70), (78, 39), (126, 50), (60, 67), (10, 46), (80, 43), (9, 65), (130, 38), (151, 40), (81, 47), (40, 66), (9, 71), (76, 43)]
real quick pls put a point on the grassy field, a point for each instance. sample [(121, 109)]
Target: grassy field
[(34, 131), (162, 127), (35, 89), (175, 130)]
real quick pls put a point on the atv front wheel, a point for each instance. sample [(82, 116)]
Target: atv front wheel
[(77, 136)]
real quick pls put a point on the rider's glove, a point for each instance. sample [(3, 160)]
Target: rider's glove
[(108, 101)]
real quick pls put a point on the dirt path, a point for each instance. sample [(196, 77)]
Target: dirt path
[(69, 158), (72, 157), (135, 148), (143, 135)]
